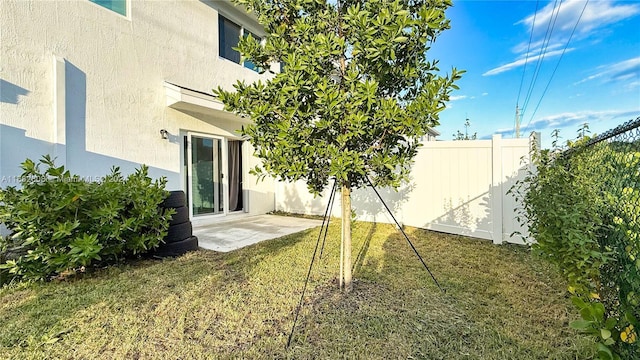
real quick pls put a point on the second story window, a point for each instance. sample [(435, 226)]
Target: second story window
[(229, 35), (119, 6), (248, 64)]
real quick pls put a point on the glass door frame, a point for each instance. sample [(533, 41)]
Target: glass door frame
[(223, 169)]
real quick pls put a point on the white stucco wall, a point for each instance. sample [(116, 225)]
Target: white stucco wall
[(104, 102)]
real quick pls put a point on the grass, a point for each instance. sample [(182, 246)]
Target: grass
[(501, 303)]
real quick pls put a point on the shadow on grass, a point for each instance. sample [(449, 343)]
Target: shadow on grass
[(362, 253), (38, 312), (500, 303), (391, 313)]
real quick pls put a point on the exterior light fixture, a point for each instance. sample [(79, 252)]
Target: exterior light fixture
[(164, 133)]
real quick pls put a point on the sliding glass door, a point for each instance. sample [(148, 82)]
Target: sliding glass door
[(206, 185), (213, 168)]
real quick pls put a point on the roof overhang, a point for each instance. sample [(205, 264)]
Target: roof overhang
[(193, 101), (179, 97)]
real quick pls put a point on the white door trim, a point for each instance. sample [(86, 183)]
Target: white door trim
[(223, 166)]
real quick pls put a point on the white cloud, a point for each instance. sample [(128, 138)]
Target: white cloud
[(597, 14), (456, 98), (485, 94), (566, 119), (522, 61), (632, 85), (595, 19), (627, 71), (536, 47)]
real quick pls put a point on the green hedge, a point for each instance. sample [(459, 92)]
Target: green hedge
[(582, 208), (61, 222)]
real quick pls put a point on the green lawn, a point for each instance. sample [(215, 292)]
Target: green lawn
[(501, 303)]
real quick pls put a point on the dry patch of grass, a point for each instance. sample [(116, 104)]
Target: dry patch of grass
[(501, 303)]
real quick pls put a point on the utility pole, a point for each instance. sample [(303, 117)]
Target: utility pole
[(517, 122)]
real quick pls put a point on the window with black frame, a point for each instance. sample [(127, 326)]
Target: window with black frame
[(229, 36)]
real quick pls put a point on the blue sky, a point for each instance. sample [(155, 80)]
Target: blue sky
[(498, 43)]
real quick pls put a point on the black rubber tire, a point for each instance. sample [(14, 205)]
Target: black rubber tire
[(181, 216), (178, 232), (177, 248), (176, 199)]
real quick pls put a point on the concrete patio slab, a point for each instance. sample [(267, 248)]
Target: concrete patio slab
[(237, 231)]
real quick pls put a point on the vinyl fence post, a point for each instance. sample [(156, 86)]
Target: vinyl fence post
[(496, 189)]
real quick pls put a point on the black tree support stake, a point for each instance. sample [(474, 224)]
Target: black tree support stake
[(304, 289), (405, 235), (331, 198)]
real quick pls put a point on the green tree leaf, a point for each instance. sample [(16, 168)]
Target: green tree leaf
[(357, 93)]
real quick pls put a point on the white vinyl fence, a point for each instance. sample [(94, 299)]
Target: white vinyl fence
[(457, 187)]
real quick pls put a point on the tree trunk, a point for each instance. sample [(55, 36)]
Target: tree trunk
[(346, 238)]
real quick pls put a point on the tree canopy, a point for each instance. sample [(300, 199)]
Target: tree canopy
[(356, 94)]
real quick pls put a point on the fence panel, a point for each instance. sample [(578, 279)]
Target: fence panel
[(457, 187)]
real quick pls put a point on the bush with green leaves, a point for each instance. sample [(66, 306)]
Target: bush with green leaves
[(61, 222), (581, 207)]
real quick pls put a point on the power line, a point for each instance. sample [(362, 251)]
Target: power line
[(524, 70), (543, 51), (558, 63), (526, 60)]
